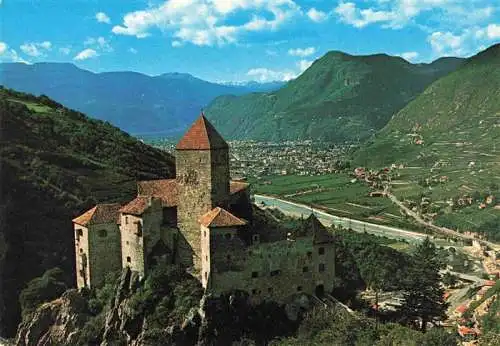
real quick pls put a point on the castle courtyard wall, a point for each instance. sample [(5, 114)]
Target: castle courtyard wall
[(275, 271)]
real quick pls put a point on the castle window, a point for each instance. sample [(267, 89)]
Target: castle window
[(275, 272), (126, 220), (255, 274), (206, 275), (103, 233), (228, 236), (228, 257), (255, 238), (79, 232), (305, 269), (129, 259), (139, 229), (270, 290), (254, 291), (205, 234), (206, 258), (321, 251), (81, 250), (321, 267), (299, 288), (309, 254)]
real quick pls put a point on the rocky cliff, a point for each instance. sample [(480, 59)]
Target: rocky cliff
[(137, 314)]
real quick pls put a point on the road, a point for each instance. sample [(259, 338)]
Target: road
[(442, 230), (296, 209)]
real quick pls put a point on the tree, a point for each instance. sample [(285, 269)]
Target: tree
[(449, 279), (423, 295), (42, 289)]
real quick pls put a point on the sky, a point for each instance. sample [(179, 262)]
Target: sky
[(239, 40)]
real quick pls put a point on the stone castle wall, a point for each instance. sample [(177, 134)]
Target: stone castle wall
[(104, 252), (82, 253), (275, 270), (139, 236)]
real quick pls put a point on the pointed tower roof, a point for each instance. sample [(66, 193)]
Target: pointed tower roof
[(219, 217), (313, 227), (201, 136)]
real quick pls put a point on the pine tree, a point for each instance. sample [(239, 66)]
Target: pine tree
[(424, 300)]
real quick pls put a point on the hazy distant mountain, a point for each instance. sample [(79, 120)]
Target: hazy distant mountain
[(134, 102), (340, 97), (257, 86)]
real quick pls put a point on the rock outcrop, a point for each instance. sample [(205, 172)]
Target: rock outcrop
[(58, 322)]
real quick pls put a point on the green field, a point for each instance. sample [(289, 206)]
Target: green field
[(337, 194)]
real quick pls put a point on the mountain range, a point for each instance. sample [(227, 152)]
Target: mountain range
[(340, 97), (137, 103)]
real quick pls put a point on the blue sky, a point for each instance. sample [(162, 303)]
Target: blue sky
[(237, 40)]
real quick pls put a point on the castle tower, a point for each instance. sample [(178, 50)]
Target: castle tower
[(97, 244), (202, 173)]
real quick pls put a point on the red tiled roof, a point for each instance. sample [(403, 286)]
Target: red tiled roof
[(237, 186), (201, 136), (489, 283), (461, 309), (219, 217), (463, 330), (135, 207), (166, 189), (101, 213)]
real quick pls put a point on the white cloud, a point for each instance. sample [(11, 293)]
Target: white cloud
[(65, 50), (398, 13), (11, 55), (410, 56), (302, 52), (262, 74), (316, 15), (3, 47), (85, 54), (304, 65), (350, 14), (102, 17), (201, 22), (132, 50), (446, 43), (36, 49), (176, 44), (493, 31), (98, 43)]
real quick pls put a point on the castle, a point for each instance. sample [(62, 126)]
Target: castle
[(205, 222)]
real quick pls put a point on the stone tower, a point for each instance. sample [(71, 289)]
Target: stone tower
[(97, 244), (202, 173)]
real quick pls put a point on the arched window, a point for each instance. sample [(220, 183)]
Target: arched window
[(129, 259)]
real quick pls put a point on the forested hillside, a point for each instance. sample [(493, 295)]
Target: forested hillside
[(55, 163)]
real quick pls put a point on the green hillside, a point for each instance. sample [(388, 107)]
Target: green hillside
[(339, 98), (457, 120), (56, 163)]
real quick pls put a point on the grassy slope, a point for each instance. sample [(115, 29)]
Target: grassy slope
[(340, 97), (459, 117), (56, 163)]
